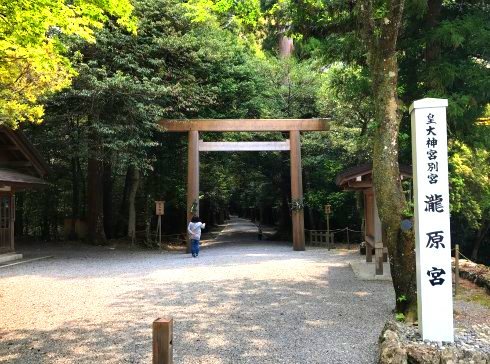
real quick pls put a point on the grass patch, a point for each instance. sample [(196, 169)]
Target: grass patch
[(482, 299), (470, 292)]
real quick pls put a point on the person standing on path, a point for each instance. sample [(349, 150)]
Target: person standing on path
[(194, 230)]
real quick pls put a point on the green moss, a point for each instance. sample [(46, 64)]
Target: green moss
[(480, 298), (474, 294)]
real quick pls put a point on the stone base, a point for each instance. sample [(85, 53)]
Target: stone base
[(8, 257), (367, 271), (395, 348)]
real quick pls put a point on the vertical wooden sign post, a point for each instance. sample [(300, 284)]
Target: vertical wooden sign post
[(159, 211), (328, 211), (432, 229)]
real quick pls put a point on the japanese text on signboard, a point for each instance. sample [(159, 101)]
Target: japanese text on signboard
[(434, 202)]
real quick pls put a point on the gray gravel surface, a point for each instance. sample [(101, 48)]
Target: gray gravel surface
[(240, 301)]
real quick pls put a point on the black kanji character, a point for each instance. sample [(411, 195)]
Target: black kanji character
[(434, 203), (431, 142), (435, 239), (432, 178), (430, 130), (436, 273), (430, 119), (432, 153), (433, 167)]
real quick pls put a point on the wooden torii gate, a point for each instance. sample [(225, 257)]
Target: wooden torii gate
[(293, 144)]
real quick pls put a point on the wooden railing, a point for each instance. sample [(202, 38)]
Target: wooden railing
[(317, 237), (320, 237)]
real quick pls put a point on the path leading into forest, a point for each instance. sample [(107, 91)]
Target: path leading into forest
[(241, 301)]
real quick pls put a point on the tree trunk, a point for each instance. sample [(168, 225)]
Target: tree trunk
[(121, 226), (107, 200), (286, 46), (285, 222), (482, 232), (75, 198), (95, 169), (387, 184), (381, 38), (309, 210), (148, 207), (83, 190), (134, 178), (95, 223), (432, 49)]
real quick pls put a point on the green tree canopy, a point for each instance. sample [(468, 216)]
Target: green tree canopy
[(32, 48)]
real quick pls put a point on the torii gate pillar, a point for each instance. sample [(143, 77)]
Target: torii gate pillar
[(297, 215), (192, 178)]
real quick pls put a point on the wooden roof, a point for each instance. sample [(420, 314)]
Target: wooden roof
[(19, 155), (18, 179), (360, 177), (20, 163)]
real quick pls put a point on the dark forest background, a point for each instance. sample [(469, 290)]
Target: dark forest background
[(109, 161)]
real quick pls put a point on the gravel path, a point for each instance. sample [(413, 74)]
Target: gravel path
[(241, 302)]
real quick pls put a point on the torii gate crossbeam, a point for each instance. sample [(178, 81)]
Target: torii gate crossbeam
[(293, 126)]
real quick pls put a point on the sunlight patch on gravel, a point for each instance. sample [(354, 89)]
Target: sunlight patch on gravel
[(244, 303)]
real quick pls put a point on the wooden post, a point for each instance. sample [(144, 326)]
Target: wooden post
[(12, 221), (456, 270), (369, 252), (159, 211), (328, 228), (163, 341), (297, 191), (378, 241), (192, 178), (159, 230), (348, 241)]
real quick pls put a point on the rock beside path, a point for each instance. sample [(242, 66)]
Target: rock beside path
[(401, 343), (477, 273)]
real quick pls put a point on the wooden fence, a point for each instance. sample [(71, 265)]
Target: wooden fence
[(321, 238)]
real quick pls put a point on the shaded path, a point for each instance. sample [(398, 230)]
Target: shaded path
[(251, 302), (239, 231)]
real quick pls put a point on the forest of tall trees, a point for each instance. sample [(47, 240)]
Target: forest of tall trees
[(359, 63)]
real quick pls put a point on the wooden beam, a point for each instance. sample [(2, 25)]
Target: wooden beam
[(362, 184), (244, 125), (9, 147), (243, 146), (7, 164), (297, 215)]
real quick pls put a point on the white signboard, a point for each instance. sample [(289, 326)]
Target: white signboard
[(159, 208), (432, 230)]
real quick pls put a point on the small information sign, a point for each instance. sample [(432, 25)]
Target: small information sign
[(432, 228), (159, 208), (328, 209)]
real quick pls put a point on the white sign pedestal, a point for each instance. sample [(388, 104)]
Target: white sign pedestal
[(432, 228)]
